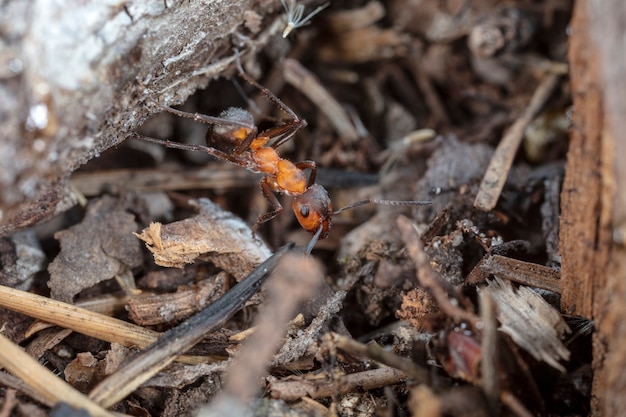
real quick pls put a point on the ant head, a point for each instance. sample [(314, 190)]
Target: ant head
[(314, 210), (228, 137)]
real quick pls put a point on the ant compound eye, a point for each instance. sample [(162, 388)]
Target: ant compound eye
[(304, 211)]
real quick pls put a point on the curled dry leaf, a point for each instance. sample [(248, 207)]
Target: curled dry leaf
[(532, 323), (213, 235), (97, 249)]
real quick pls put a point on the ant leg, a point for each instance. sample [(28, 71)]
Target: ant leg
[(272, 199), (286, 131), (203, 118), (267, 93), (189, 147), (308, 165)]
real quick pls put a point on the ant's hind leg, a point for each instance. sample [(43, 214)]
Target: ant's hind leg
[(273, 200), (203, 118)]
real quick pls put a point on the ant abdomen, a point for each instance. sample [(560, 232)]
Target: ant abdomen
[(230, 137)]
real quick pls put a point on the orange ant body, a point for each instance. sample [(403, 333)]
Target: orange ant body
[(234, 137)]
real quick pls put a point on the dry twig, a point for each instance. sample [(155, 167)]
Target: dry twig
[(319, 388), (428, 278), (296, 278), (526, 273), (379, 354), (176, 341), (310, 86), (44, 382), (502, 159)]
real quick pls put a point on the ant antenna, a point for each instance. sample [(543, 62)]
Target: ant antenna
[(382, 203), (238, 61), (243, 95)]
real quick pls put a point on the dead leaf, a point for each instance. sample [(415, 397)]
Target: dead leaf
[(97, 249), (213, 235)]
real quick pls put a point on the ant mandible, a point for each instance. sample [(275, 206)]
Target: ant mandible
[(234, 137)]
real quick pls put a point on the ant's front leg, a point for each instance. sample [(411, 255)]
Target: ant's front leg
[(308, 165), (269, 195)]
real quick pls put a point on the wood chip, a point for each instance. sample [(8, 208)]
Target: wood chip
[(212, 235), (532, 323)]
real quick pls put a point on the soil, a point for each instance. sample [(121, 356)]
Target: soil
[(457, 286)]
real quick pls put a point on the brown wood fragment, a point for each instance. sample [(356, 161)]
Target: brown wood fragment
[(176, 341), (596, 52), (584, 246), (353, 19), (319, 388), (526, 273), (156, 309)]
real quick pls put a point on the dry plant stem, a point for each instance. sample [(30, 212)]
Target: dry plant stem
[(526, 273), (310, 86), (428, 278), (296, 279), (514, 404), (44, 382), (76, 318), (360, 381), (294, 349), (219, 176), (9, 402), (502, 159), (176, 341), (489, 352), (379, 354)]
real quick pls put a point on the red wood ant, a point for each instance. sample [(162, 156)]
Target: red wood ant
[(234, 137)]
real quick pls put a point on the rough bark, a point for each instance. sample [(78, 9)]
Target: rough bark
[(78, 77), (593, 225)]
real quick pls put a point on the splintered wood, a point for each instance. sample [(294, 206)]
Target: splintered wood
[(212, 235), (530, 321)]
